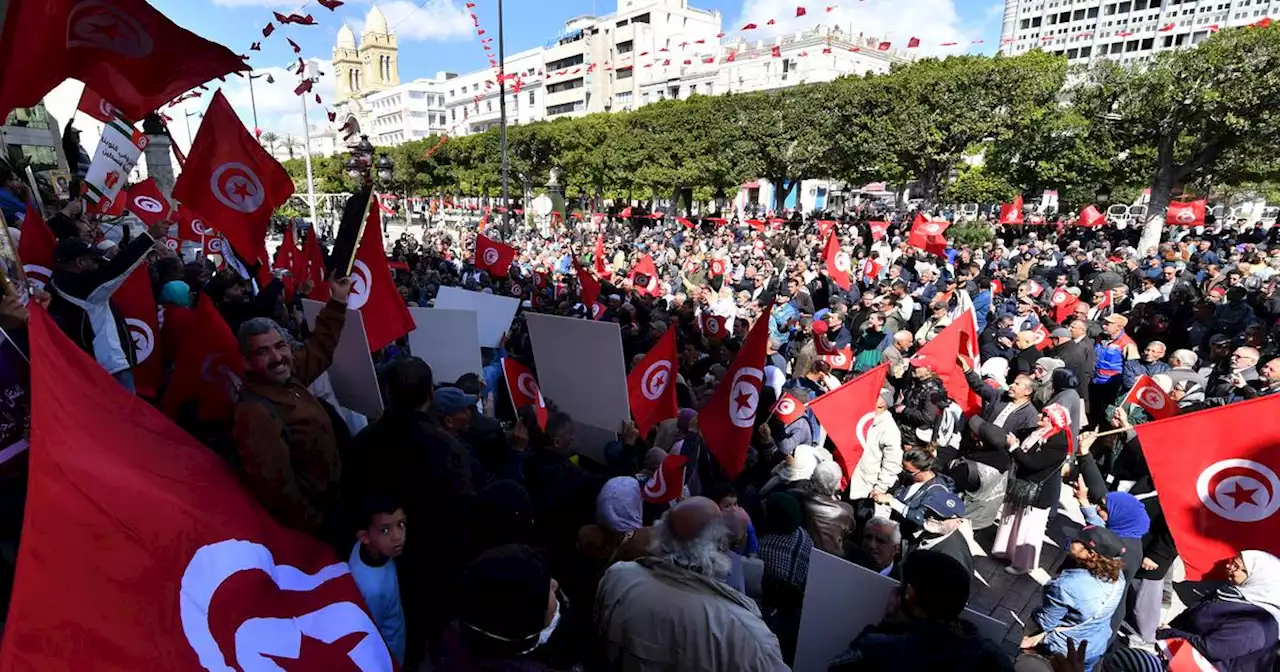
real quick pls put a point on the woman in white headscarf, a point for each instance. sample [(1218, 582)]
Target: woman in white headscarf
[(1238, 627)]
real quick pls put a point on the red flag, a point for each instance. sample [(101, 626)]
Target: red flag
[(1011, 213), (296, 48), (1043, 342), (685, 222), (208, 367), (373, 293), (728, 418), (1166, 27), (715, 326), (846, 414), (523, 389), (138, 307), (146, 202), (840, 360), (232, 180), (651, 385), (315, 270), (589, 291), (913, 43), (1216, 474), (1064, 303), (96, 106), (125, 50), (1090, 216), (289, 258), (757, 224), (775, 51), (770, 22), (599, 264), (800, 11), (825, 226), (1151, 398), (1182, 656), (871, 269), (927, 234), (717, 268), (732, 55), (644, 276), (667, 483), (750, 26), (838, 263), (788, 408), (1188, 213), (939, 354), (1261, 23), (191, 227), (223, 581), (493, 256), (883, 46), (35, 249), (331, 5)]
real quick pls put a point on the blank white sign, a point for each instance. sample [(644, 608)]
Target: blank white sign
[(355, 383), (494, 312), (448, 340)]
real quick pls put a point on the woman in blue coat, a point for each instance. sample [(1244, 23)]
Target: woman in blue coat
[(1237, 628)]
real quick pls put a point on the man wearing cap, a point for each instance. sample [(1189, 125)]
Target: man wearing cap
[(944, 515), (1114, 347), (82, 284)]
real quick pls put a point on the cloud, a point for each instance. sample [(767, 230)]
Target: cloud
[(433, 20), (283, 5), (932, 21)]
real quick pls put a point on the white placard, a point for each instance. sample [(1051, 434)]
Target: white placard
[(580, 369), (448, 340), (841, 598), (494, 312), (355, 383), (118, 151)]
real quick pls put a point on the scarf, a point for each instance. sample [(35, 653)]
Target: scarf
[(1262, 588), (1193, 393), (1126, 516), (619, 506), (1059, 420)]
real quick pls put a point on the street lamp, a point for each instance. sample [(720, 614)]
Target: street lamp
[(257, 133), (362, 167)]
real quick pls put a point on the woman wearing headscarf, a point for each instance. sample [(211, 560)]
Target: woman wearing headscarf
[(1042, 373), (1189, 394), (1127, 517), (619, 533), (1033, 489), (1236, 628), (1064, 382)]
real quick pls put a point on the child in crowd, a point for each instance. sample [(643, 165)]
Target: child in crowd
[(381, 539)]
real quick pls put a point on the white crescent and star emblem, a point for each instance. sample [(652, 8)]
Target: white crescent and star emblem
[(1059, 297), (490, 256), (198, 226), (97, 24), (236, 186), (713, 325), (842, 262), (655, 379), (107, 109), (1012, 216), (787, 406), (1185, 216), (1150, 397), (932, 227), (529, 387), (38, 275), (656, 487), (148, 204), (864, 426), (216, 246), (1239, 490), (361, 285), (144, 340), (171, 243), (744, 396), (838, 359)]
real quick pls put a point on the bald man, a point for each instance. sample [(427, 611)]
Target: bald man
[(673, 611)]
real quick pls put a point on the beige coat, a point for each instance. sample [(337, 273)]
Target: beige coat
[(881, 460), (653, 615)]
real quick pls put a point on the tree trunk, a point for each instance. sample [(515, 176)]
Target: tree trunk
[(780, 194), (1161, 188)]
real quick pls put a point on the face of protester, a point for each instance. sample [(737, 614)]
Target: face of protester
[(459, 421), (1242, 359), (270, 357), (1153, 353), (1079, 552), (877, 541), (1112, 329), (385, 534), (1237, 571), (1078, 329), (728, 503)]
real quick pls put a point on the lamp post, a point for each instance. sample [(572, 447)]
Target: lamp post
[(190, 139), (502, 113), (363, 168), (306, 138), (257, 133)]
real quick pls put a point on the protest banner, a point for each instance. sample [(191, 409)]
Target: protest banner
[(448, 340), (494, 312), (355, 383), (581, 371), (118, 151), (841, 598)]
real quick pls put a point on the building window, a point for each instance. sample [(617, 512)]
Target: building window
[(488, 104), (532, 100), (624, 73), (565, 108), (626, 47), (709, 91), (622, 23), (1093, 13), (565, 63), (643, 18), (453, 114), (565, 86)]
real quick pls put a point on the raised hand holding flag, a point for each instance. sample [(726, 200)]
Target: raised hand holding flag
[(728, 418), (847, 414), (651, 385), (1151, 398)]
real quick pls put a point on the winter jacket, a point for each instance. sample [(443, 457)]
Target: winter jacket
[(881, 459), (1234, 636), (1111, 357), (1136, 368), (923, 646), (1078, 605), (909, 508)]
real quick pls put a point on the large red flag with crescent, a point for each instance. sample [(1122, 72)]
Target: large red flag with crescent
[(207, 369), (35, 249), (125, 50), (137, 306), (1011, 213), (838, 263), (373, 292), (494, 257), (651, 385), (846, 414), (644, 276), (927, 234), (728, 418), (960, 338), (1151, 398), (1185, 213), (187, 571), (232, 181), (1215, 471)]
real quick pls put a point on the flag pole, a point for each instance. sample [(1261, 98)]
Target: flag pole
[(306, 151), (502, 113)]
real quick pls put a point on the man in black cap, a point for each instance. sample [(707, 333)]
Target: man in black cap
[(82, 284)]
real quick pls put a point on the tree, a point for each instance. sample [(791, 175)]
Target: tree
[(1196, 111), (785, 135), (291, 143), (976, 184)]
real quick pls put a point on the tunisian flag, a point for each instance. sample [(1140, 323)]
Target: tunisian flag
[(1064, 303), (840, 360), (138, 307), (644, 276), (523, 388), (315, 267), (207, 369), (147, 203), (651, 385), (1188, 213), (960, 338), (1215, 471), (493, 257), (588, 291), (36, 247), (1151, 398), (1011, 213), (231, 180), (124, 50), (96, 106), (838, 263), (728, 418), (846, 413), (1091, 217), (926, 234), (187, 571), (788, 408), (878, 229), (192, 227), (373, 292)]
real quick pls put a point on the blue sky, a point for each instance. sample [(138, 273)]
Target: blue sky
[(438, 35)]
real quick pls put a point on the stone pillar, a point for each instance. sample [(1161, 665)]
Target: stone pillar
[(159, 159)]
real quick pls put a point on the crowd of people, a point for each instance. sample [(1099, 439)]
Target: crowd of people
[(526, 555)]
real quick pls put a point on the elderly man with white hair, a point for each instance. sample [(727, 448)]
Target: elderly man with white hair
[(1182, 366), (673, 611), (828, 520)]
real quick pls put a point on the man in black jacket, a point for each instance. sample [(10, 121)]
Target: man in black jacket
[(82, 284), (1077, 353)]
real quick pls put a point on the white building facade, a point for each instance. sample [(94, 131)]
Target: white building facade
[(472, 101), (1124, 30)]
